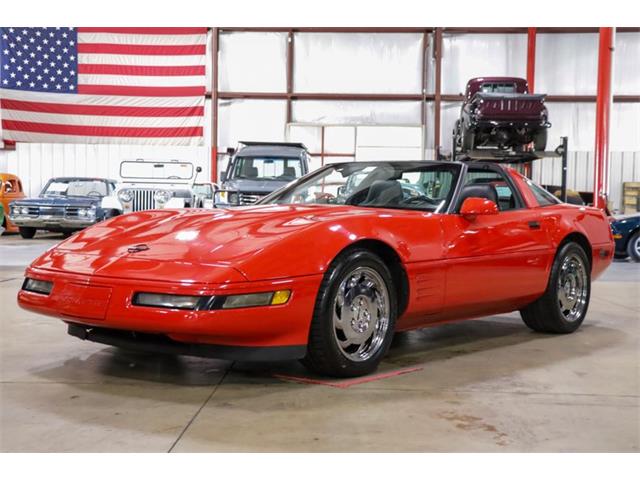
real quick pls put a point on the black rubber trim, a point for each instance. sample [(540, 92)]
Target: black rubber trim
[(153, 343)]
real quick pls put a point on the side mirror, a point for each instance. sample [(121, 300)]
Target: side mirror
[(231, 151), (223, 176), (198, 169), (474, 206)]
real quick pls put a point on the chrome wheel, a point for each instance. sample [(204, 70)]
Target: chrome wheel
[(361, 314), (572, 288), (636, 246)]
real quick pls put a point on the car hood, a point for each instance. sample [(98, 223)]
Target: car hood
[(59, 201), (255, 186), (260, 242)]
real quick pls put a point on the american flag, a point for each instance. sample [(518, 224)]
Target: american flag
[(102, 85)]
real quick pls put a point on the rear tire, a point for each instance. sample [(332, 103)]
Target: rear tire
[(564, 304), (633, 247), (468, 140), (27, 232), (354, 316)]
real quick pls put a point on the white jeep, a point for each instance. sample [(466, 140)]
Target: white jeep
[(149, 185)]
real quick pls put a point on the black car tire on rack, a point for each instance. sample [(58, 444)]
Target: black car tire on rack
[(540, 140)]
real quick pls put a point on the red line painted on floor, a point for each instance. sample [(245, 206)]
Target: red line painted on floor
[(347, 383)]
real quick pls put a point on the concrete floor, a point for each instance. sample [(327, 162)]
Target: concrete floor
[(484, 385)]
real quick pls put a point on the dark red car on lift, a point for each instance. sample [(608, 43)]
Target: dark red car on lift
[(500, 113)]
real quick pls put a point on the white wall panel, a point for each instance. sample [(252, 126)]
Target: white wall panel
[(626, 61), (566, 64), (262, 120), (356, 112), (358, 63), (252, 62), (575, 120), (625, 127), (465, 56), (450, 112)]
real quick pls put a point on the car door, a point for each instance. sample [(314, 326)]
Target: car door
[(494, 262)]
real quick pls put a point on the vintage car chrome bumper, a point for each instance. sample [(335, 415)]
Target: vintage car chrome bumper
[(46, 222)]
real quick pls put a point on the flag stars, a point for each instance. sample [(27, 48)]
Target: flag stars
[(58, 87), (32, 84)]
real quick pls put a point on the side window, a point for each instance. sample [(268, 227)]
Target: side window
[(543, 197), (10, 186), (507, 199)]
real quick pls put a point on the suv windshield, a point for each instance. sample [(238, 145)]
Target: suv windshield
[(75, 188), (408, 185), (141, 169), (267, 168)]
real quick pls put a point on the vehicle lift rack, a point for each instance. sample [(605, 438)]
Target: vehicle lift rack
[(508, 156)]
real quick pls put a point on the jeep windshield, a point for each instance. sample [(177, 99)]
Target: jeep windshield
[(150, 170), (424, 186), (62, 187), (266, 168)]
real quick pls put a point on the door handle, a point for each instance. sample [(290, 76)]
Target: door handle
[(534, 225)]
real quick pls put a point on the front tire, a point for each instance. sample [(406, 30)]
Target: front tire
[(354, 316), (27, 232), (633, 247), (564, 304)]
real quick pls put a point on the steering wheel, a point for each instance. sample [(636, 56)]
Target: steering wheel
[(94, 193), (418, 199)]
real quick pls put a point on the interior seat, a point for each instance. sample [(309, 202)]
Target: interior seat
[(480, 190), (384, 192)]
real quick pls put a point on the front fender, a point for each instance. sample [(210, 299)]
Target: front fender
[(310, 250)]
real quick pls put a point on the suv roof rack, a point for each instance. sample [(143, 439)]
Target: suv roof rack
[(277, 144)]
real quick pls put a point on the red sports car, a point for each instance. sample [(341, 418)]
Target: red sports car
[(329, 267)]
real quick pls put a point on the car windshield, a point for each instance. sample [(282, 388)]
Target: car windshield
[(75, 188), (424, 186), (498, 88), (203, 189), (267, 168)]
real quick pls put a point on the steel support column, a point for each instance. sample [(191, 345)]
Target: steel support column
[(214, 104), (603, 112), (437, 53), (531, 75)]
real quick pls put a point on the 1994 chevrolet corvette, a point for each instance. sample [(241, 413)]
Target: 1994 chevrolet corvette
[(327, 268)]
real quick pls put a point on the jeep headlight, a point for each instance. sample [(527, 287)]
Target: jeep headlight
[(125, 196), (162, 196)]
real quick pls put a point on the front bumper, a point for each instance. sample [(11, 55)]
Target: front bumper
[(105, 303), (53, 222), (509, 123)]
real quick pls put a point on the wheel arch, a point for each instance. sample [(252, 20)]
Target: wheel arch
[(392, 260), (581, 240)]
